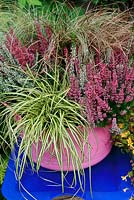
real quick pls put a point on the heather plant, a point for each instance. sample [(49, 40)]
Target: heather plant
[(29, 40), (10, 73), (106, 89)]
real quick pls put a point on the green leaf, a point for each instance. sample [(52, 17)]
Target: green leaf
[(34, 2), (95, 2), (22, 3)]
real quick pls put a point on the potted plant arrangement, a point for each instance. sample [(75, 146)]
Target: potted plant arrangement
[(59, 83)]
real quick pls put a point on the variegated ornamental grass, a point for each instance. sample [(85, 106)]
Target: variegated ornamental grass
[(46, 114)]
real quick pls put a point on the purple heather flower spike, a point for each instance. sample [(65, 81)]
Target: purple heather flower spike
[(115, 129)]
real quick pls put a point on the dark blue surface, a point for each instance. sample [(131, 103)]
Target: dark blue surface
[(106, 181)]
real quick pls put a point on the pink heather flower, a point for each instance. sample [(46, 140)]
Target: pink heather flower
[(103, 104), (104, 115), (129, 99), (118, 57), (115, 129), (34, 47), (120, 96), (104, 86), (114, 123), (17, 117), (18, 51), (129, 75), (99, 116), (103, 71), (65, 52), (123, 112), (129, 87), (114, 82), (108, 88), (90, 111), (74, 92)]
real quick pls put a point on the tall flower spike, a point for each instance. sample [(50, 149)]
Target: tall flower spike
[(18, 51), (74, 92)]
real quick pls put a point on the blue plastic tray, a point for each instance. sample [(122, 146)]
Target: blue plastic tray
[(106, 181)]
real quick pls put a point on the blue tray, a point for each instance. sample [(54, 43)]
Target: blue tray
[(46, 185)]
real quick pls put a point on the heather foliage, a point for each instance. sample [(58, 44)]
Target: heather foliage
[(10, 73), (25, 55), (106, 89), (16, 57)]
